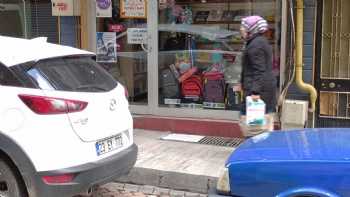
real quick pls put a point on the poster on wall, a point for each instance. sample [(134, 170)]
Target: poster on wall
[(103, 8), (133, 8), (106, 47)]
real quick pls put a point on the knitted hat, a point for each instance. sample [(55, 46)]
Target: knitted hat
[(254, 24)]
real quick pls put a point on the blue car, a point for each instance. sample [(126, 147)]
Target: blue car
[(298, 163)]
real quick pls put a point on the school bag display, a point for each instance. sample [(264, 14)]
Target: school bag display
[(214, 90), (169, 85), (191, 88), (187, 74)]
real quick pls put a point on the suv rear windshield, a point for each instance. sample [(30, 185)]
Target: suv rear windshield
[(78, 74)]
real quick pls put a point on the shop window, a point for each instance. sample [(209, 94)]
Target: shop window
[(125, 59), (11, 18), (200, 50)]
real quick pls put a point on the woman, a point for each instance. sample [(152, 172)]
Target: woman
[(257, 79)]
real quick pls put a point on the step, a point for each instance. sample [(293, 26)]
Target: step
[(207, 127)]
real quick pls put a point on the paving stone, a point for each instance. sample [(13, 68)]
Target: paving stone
[(139, 194), (113, 186), (190, 194), (161, 191), (175, 193), (147, 189), (131, 188)]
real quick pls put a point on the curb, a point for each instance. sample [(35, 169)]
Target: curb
[(171, 180)]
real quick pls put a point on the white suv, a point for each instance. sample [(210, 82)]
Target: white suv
[(65, 123)]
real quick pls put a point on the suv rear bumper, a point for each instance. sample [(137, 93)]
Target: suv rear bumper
[(87, 175)]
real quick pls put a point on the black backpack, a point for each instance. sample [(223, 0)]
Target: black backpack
[(169, 85)]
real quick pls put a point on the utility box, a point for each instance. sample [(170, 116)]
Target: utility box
[(294, 114)]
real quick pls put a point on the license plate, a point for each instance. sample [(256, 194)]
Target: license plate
[(109, 144)]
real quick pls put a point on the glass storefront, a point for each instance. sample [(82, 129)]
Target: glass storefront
[(200, 50), (125, 59), (186, 56)]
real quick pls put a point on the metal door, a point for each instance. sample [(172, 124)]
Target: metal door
[(333, 63), (42, 21)]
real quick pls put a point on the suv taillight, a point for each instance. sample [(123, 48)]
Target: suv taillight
[(58, 179), (47, 105)]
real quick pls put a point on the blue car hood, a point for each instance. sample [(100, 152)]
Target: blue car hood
[(328, 144)]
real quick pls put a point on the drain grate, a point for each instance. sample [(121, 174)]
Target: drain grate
[(221, 141)]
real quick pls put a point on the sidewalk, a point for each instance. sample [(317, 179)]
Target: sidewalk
[(176, 165)]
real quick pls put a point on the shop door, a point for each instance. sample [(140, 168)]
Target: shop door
[(121, 46), (42, 22), (333, 64)]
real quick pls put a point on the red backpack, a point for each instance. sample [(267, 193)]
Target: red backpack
[(192, 87)]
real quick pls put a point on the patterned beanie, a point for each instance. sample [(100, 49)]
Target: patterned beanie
[(254, 24)]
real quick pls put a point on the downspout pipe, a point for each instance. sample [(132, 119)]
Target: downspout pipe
[(299, 55)]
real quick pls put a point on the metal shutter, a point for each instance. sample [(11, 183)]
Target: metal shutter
[(43, 23)]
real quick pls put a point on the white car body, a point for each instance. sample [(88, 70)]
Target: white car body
[(64, 142)]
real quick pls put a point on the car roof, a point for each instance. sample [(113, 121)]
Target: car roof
[(14, 51)]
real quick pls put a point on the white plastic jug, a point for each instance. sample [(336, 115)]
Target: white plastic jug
[(255, 111)]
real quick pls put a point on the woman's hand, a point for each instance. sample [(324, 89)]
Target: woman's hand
[(237, 87), (255, 97)]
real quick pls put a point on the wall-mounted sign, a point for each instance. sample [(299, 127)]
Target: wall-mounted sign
[(106, 44), (65, 8), (137, 35), (103, 8), (133, 8)]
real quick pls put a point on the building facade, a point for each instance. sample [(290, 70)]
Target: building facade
[(327, 61), (138, 42)]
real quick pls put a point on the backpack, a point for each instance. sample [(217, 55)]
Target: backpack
[(214, 87), (169, 85), (187, 74), (192, 88)]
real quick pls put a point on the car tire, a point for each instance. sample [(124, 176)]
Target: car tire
[(10, 183)]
